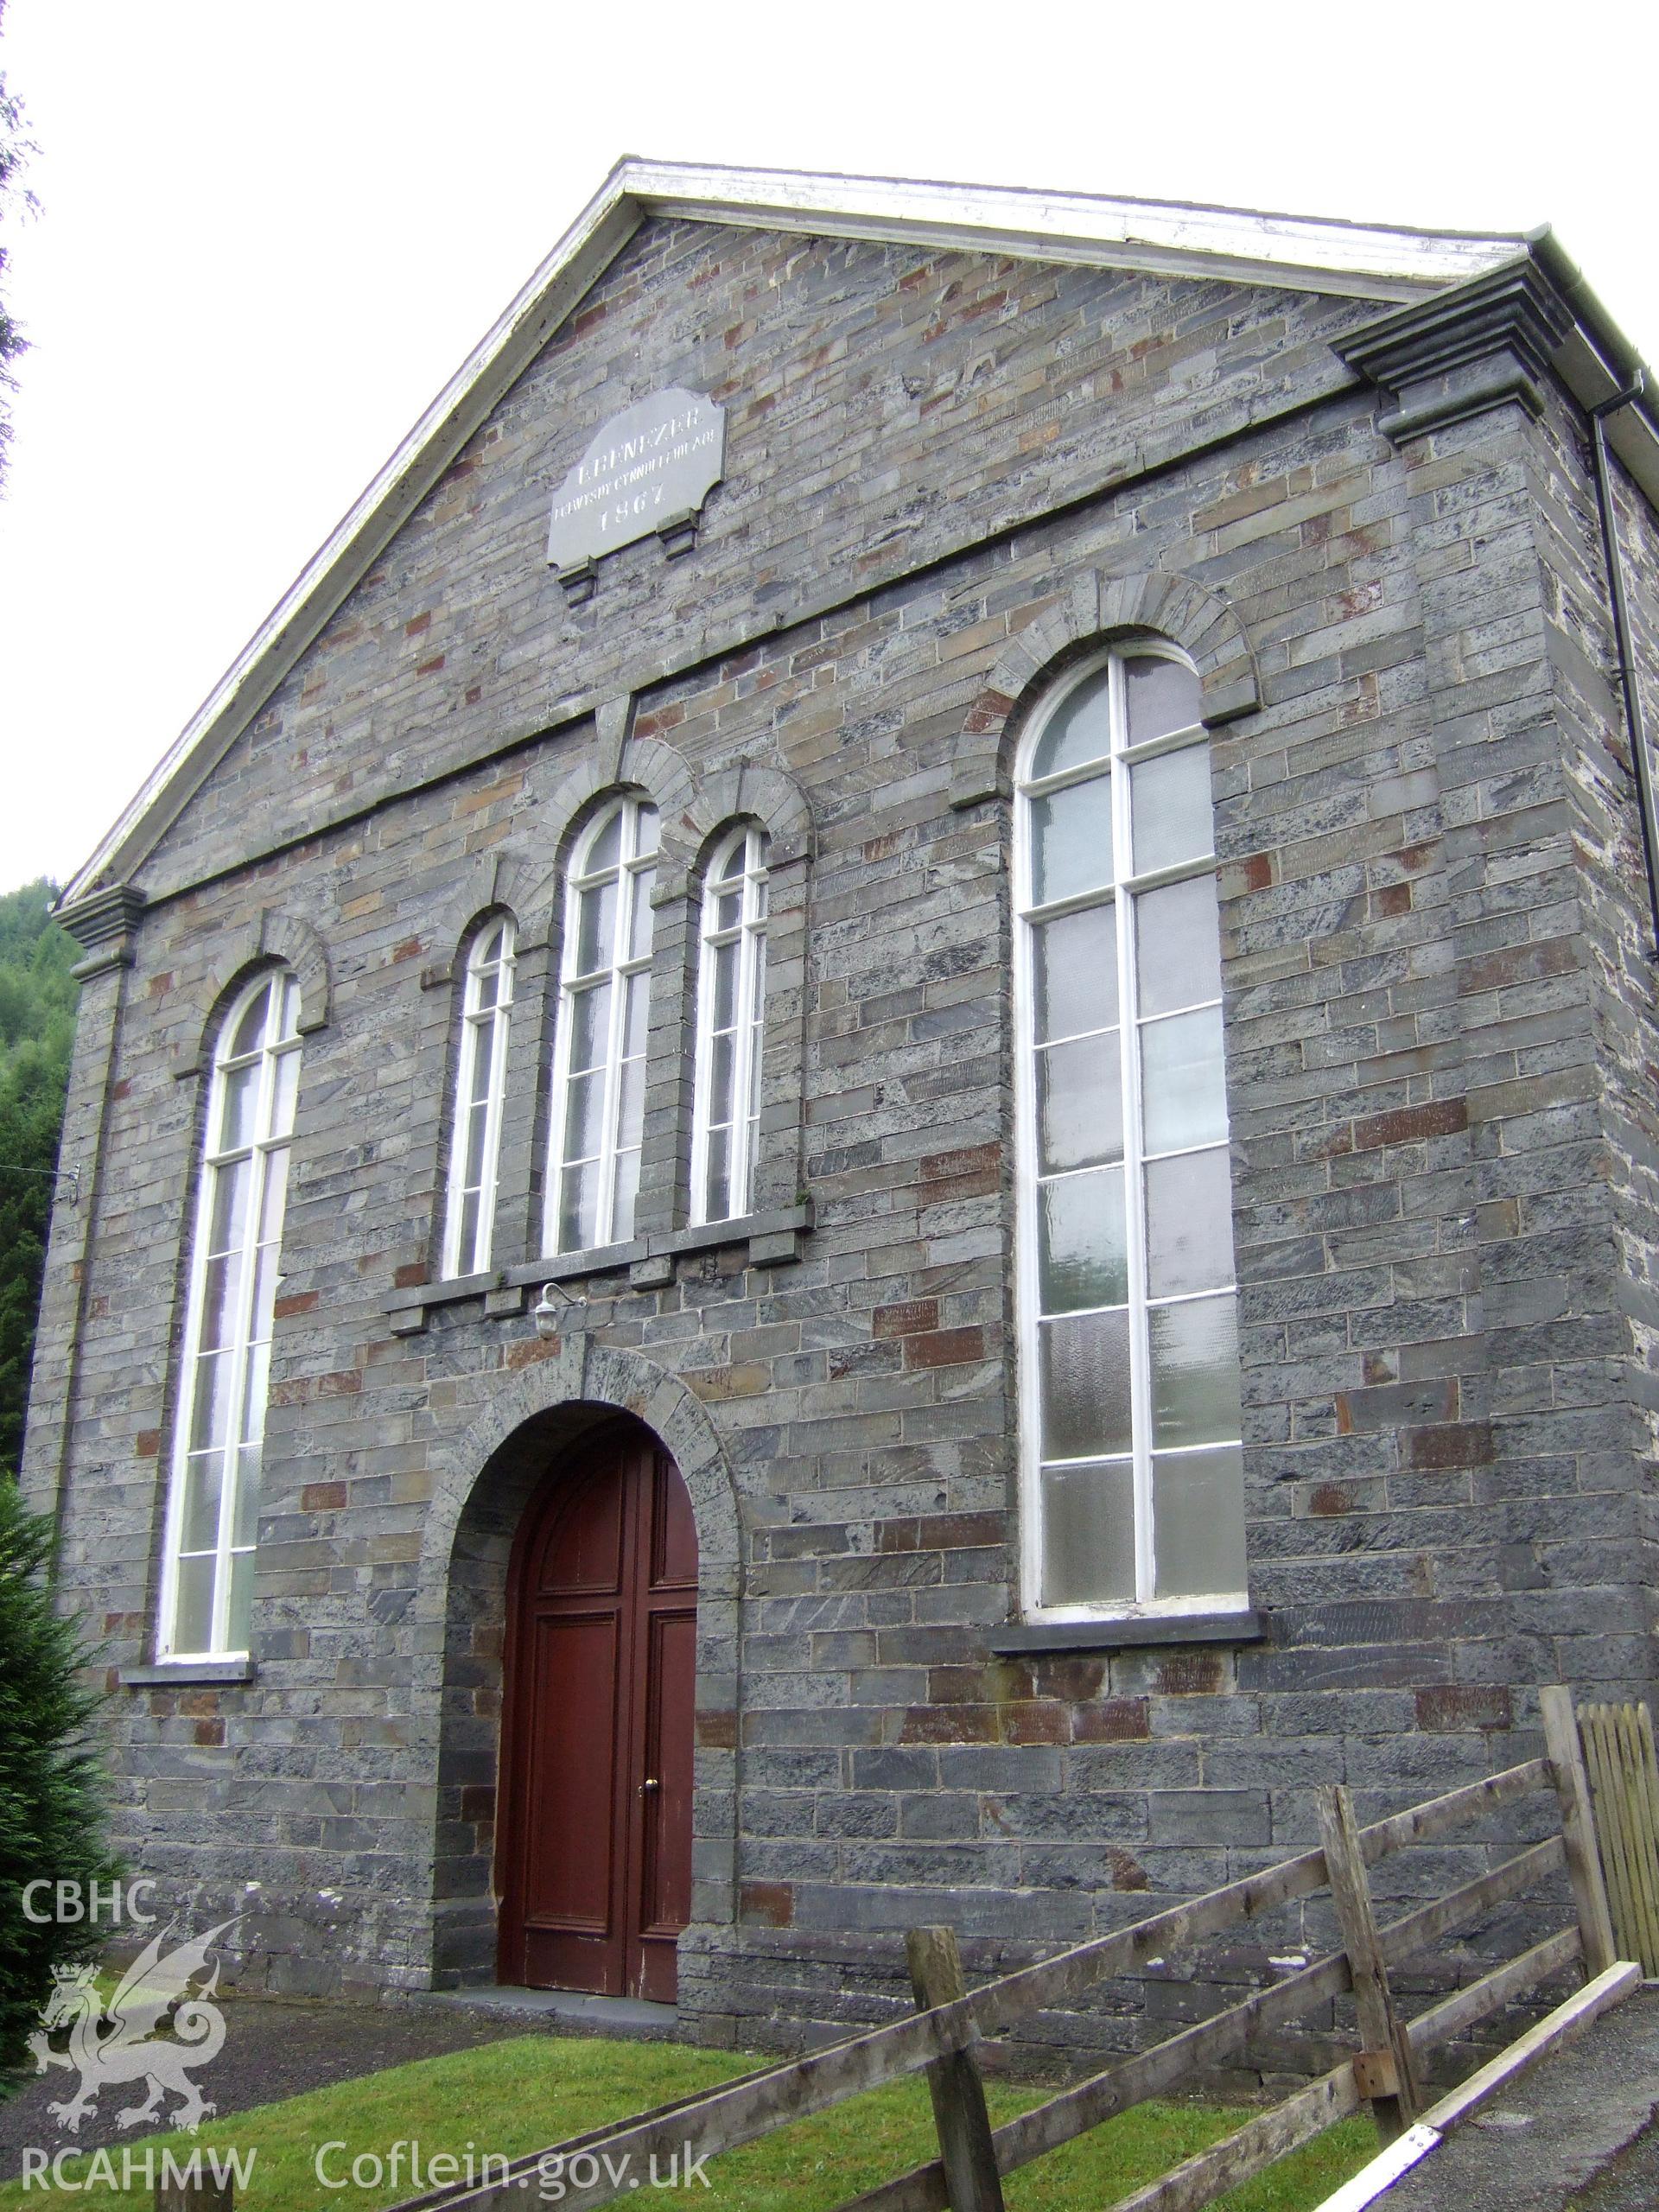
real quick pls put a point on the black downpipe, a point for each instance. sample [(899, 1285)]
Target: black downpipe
[(1634, 721)]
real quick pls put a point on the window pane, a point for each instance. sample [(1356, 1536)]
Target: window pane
[(276, 1196), (630, 1111), (627, 1189), (192, 1629), (1088, 1534), (1195, 1371), (249, 1031), (647, 828), (728, 910), (718, 1201), (579, 1208), (720, 1078), (477, 1130), (466, 1243), (244, 1520), (723, 999), (241, 1096), (1082, 1258), (1079, 1103), (228, 1213), (1163, 696), (286, 1091), (1169, 809), (1189, 1224), (198, 1526), (584, 1114), (1178, 945), (1198, 1523), (605, 849), (265, 1279), (235, 1634), (596, 927), (210, 1412), (255, 1384), (636, 1002), (732, 863), (590, 1028), (642, 917), (483, 1058), (1074, 972), (1079, 729), (1183, 1092), (1085, 1370), (1072, 842), (220, 1290)]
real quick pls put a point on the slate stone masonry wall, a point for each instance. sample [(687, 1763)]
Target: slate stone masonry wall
[(1438, 1012)]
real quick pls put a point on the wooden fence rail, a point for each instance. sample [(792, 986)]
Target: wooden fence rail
[(943, 2035)]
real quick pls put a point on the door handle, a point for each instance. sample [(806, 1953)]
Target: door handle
[(650, 1782)]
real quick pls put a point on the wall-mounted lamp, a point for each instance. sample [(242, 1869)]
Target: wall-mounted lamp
[(548, 1316)]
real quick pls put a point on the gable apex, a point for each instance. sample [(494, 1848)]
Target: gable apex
[(1393, 266)]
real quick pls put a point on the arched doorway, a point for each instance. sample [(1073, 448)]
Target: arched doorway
[(598, 1723)]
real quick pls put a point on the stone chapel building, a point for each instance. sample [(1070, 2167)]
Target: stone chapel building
[(896, 1193)]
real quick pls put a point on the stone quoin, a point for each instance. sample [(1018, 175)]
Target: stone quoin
[(891, 1205)]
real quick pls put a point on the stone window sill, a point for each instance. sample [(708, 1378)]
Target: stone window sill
[(1022, 1636), (773, 1240), (187, 1674)]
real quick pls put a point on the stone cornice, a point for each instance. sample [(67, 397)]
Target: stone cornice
[(103, 923), (1479, 346)]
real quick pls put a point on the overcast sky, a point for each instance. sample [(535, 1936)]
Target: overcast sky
[(269, 232)]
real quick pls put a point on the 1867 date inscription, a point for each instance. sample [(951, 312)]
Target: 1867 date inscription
[(649, 467)]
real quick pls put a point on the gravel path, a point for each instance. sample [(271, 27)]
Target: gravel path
[(1575, 2135), (273, 2048)]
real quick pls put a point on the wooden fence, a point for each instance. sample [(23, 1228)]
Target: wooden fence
[(1386, 2072), (1625, 1783)]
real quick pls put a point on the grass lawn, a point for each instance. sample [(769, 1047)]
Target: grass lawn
[(517, 2096)]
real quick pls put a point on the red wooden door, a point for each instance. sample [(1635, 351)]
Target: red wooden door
[(597, 1725)]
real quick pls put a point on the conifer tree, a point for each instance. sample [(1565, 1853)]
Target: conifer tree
[(51, 1795)]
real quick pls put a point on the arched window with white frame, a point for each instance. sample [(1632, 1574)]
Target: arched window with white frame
[(1133, 1478), (480, 1090), (731, 1009), (598, 1063), (241, 1190)]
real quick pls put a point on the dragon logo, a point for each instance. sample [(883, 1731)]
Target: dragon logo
[(124, 2040)]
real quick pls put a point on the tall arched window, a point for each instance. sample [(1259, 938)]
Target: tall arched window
[(214, 1502), (599, 1069), (731, 1001), (1130, 1392), (480, 1087)]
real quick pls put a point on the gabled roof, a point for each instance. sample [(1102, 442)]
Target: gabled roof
[(1362, 260)]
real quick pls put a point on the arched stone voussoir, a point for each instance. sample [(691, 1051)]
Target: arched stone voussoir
[(578, 1374), (272, 935), (497, 882), (750, 791), (1093, 610), (643, 763)]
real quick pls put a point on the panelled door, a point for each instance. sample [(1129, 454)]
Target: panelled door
[(595, 1858)]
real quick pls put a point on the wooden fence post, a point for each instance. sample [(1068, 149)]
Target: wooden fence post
[(1578, 1827), (1383, 2067), (954, 2081)]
